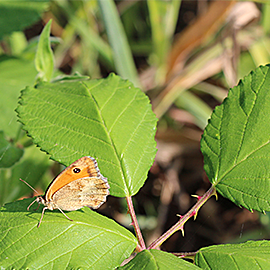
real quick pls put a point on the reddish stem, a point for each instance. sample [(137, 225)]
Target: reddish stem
[(183, 219), (135, 224)]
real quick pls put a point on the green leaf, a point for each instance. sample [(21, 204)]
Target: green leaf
[(74, 77), (235, 144), (156, 259), (30, 168), (15, 74), (108, 119), (18, 15), (44, 57), (90, 241), (250, 255), (9, 154), (122, 55)]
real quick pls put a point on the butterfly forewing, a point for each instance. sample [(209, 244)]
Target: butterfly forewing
[(83, 167)]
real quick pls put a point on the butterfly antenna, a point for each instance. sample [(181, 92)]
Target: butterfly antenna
[(29, 185)]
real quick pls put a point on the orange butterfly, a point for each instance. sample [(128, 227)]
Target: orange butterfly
[(80, 184)]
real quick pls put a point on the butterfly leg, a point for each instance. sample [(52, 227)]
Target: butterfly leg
[(36, 208), (64, 214), (43, 210), (31, 205)]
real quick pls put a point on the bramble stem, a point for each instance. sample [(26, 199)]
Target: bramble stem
[(135, 224), (180, 224)]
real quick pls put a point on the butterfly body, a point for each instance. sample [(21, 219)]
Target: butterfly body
[(80, 184)]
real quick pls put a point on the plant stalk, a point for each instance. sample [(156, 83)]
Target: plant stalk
[(183, 219), (135, 224)]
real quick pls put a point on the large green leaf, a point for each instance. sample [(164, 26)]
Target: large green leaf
[(108, 119), (14, 75), (236, 143), (250, 255), (17, 15), (91, 241), (157, 259)]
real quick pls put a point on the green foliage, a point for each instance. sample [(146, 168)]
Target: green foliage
[(112, 121), (75, 77), (31, 167), (44, 56), (199, 109), (122, 54), (108, 119), (17, 15), (15, 74), (163, 17), (235, 144), (9, 153), (156, 259), (249, 255), (104, 241), (91, 241)]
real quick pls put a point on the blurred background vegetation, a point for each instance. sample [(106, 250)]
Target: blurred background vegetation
[(184, 55)]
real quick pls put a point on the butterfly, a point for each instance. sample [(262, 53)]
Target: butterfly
[(80, 184)]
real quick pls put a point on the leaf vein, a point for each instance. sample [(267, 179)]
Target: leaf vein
[(121, 113), (111, 141), (71, 112), (16, 240), (207, 144), (245, 126)]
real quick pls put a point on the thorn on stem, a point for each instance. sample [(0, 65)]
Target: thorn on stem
[(194, 214), (182, 230), (197, 196)]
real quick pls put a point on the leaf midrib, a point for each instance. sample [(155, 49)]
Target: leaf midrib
[(243, 133), (105, 127)]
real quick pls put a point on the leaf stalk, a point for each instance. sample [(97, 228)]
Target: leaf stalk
[(135, 224)]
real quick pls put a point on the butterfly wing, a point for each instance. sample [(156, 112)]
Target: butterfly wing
[(87, 168), (87, 191)]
